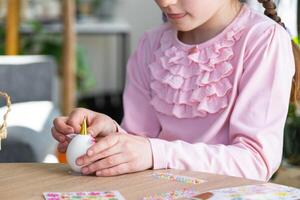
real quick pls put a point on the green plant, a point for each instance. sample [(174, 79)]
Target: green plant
[(291, 149), (39, 42), (2, 36)]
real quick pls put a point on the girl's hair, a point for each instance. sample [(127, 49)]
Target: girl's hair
[(270, 11)]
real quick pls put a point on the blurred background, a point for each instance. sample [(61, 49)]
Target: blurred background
[(64, 54), (61, 54)]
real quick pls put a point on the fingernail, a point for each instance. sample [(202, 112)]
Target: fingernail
[(60, 149), (61, 138), (85, 170), (90, 152), (91, 168), (98, 173), (79, 161)]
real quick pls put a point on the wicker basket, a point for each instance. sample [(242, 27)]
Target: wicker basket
[(3, 127)]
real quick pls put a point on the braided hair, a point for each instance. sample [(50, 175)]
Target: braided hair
[(270, 11)]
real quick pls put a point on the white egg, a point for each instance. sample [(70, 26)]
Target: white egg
[(78, 147)]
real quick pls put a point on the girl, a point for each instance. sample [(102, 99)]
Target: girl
[(208, 91)]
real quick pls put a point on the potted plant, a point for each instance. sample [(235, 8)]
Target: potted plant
[(102, 9)]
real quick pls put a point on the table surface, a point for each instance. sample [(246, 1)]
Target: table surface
[(30, 180)]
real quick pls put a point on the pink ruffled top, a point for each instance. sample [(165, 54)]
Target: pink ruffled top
[(219, 106), (192, 80)]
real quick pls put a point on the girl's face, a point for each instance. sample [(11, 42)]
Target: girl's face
[(187, 15)]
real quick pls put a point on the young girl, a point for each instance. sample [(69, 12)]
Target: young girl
[(207, 91)]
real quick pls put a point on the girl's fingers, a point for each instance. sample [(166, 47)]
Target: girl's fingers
[(123, 168), (60, 124), (97, 126), (62, 147), (85, 160), (77, 116), (58, 136), (105, 163), (101, 125), (103, 144)]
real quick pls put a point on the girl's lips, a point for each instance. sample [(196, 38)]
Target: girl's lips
[(176, 16)]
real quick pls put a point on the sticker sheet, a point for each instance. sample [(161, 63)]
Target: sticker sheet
[(177, 178), (268, 191), (97, 195), (183, 193)]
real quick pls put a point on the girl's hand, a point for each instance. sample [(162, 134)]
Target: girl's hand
[(117, 154), (98, 125)]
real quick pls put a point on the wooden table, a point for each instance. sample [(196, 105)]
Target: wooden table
[(288, 175), (29, 181)]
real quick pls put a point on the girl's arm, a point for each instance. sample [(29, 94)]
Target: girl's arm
[(257, 120), (139, 115)]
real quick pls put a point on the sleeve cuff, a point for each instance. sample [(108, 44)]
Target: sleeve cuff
[(158, 154)]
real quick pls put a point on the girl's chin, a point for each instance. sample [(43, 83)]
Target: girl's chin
[(182, 28)]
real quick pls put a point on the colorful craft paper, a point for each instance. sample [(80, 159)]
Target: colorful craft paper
[(184, 193), (268, 191), (97, 195), (178, 178)]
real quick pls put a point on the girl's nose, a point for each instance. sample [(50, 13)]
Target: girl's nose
[(166, 3)]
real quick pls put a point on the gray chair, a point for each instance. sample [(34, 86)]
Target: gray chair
[(28, 78), (32, 85)]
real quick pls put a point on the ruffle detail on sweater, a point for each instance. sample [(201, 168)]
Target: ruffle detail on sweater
[(190, 81)]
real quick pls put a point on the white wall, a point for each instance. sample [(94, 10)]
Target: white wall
[(141, 15), (287, 10), (102, 51)]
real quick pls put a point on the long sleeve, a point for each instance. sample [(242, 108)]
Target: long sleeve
[(256, 122), (139, 116)]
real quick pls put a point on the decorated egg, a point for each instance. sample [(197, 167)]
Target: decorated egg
[(78, 147)]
